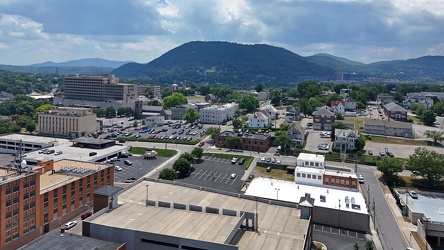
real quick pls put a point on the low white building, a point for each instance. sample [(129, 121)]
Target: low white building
[(310, 160), (351, 104), (216, 114), (257, 120), (154, 120), (345, 139)]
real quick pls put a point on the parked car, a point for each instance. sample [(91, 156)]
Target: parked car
[(92, 153), (241, 161), (201, 143), (85, 215), (370, 152), (361, 179), (263, 158), (58, 153), (70, 224), (381, 153), (128, 162), (268, 169), (130, 180), (390, 154), (277, 154), (413, 194), (273, 160), (233, 176), (234, 160), (117, 168)]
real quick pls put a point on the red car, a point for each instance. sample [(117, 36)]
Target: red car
[(86, 215), (201, 143)]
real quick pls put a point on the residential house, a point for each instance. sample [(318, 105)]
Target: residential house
[(257, 120), (338, 107), (384, 99), (262, 96), (323, 118), (344, 93), (345, 139), (425, 100), (297, 133), (269, 111), (395, 112), (351, 104), (388, 128), (292, 113)]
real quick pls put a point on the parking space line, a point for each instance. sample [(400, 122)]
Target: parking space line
[(197, 174), (218, 177), (233, 181), (202, 174), (207, 175), (228, 179), (223, 178)]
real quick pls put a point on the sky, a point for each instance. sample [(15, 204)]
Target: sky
[(142, 30)]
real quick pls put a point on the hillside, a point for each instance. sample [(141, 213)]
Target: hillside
[(58, 70), (86, 62), (223, 62)]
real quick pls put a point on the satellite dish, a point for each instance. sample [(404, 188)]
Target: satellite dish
[(23, 164)]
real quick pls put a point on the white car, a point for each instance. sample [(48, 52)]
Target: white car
[(70, 224), (234, 160), (278, 161), (118, 168), (233, 176), (263, 158)]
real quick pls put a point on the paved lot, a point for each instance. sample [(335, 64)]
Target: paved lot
[(400, 151), (139, 168), (337, 238), (215, 173), (314, 139)]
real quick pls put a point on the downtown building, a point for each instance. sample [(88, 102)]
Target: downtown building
[(35, 200), (217, 114)]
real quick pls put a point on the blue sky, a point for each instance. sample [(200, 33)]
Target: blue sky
[(136, 30)]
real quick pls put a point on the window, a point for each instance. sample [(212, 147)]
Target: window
[(353, 183), (25, 230), (347, 182), (32, 193), (25, 218), (15, 188), (319, 177), (32, 216), (15, 212), (55, 194), (15, 235), (342, 182), (25, 196), (298, 174), (26, 184), (307, 163), (8, 227), (303, 175), (15, 224), (16, 200), (337, 181), (25, 207), (309, 176), (32, 227), (32, 204), (317, 164), (8, 215), (312, 164), (45, 197), (8, 191), (45, 218), (313, 176), (8, 203), (8, 239)]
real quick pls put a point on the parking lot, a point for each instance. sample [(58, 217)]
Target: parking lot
[(139, 168), (314, 139), (338, 238), (216, 173)]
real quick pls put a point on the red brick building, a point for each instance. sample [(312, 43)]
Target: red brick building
[(35, 201), (252, 142)]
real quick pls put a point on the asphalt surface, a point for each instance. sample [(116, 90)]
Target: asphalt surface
[(338, 239), (139, 168), (388, 230), (216, 173)]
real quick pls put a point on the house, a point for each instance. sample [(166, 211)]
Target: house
[(292, 113), (297, 133), (344, 93), (345, 139), (351, 104), (210, 98), (323, 117), (395, 112), (384, 99), (262, 96), (338, 107), (179, 111), (425, 99), (269, 111), (257, 120), (388, 128)]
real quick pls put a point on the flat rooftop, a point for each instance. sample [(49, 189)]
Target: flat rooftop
[(54, 241), (280, 227), (33, 138), (428, 203), (311, 157), (292, 192), (49, 181)]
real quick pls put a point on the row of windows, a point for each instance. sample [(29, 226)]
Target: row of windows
[(9, 238), (313, 164), (309, 176), (16, 188), (339, 181)]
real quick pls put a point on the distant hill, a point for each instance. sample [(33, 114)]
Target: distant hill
[(224, 62), (87, 62), (338, 63), (60, 70)]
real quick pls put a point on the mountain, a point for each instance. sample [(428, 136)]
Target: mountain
[(58, 70), (333, 61), (224, 62), (87, 62)]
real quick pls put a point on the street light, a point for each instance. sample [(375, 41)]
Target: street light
[(277, 193)]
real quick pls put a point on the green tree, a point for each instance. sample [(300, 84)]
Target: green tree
[(259, 88), (175, 99), (188, 156), (284, 127), (154, 103), (249, 102), (435, 135), (182, 166), (237, 123), (438, 108), (308, 89), (135, 124), (99, 112), (339, 117), (429, 118), (360, 142), (166, 92), (234, 142), (168, 174), (191, 115), (415, 107), (143, 122), (213, 131), (282, 140), (420, 111), (4, 127), (355, 246), (197, 152), (16, 129), (337, 125), (30, 126), (121, 111), (110, 112), (389, 167), (429, 163), (276, 97), (369, 245), (149, 93)]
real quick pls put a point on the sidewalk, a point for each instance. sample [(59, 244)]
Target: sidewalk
[(405, 227)]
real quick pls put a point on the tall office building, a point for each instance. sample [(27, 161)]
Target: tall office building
[(99, 88)]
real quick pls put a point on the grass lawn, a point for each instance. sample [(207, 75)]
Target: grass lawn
[(359, 122), (160, 152), (415, 119), (248, 159), (276, 173), (391, 140)]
